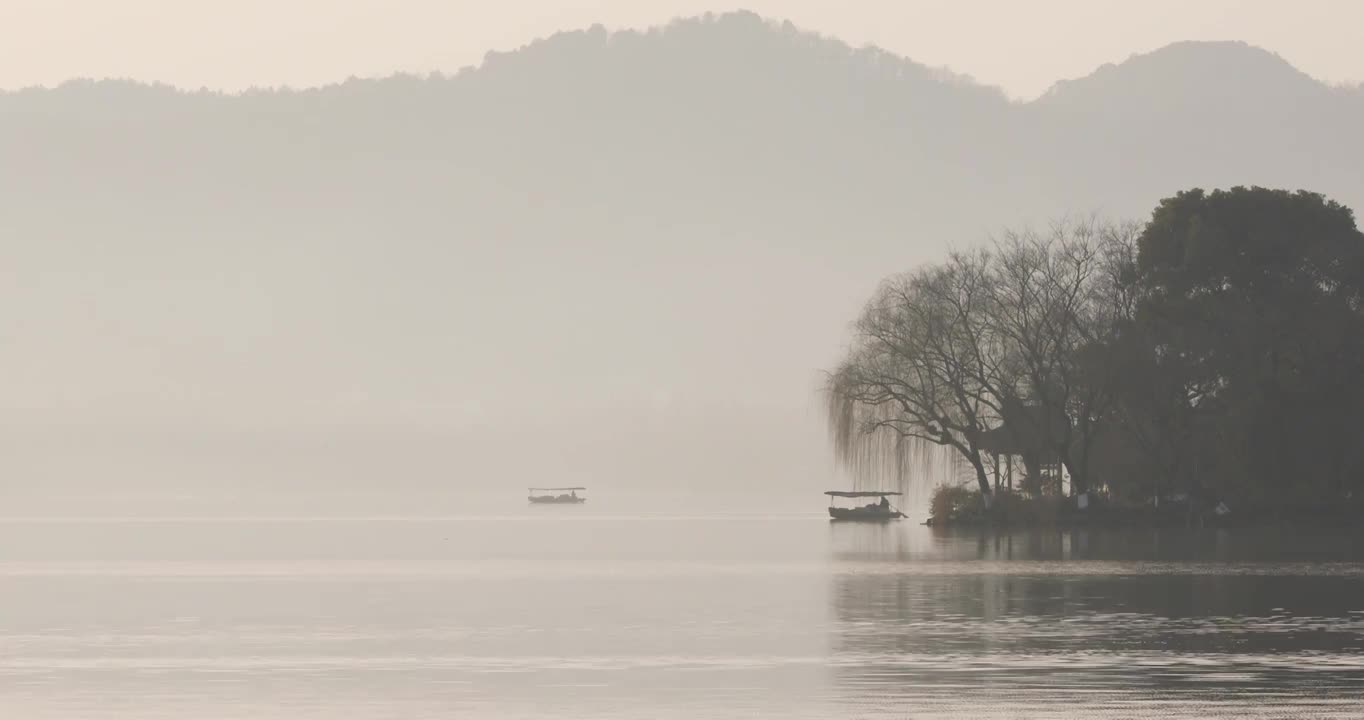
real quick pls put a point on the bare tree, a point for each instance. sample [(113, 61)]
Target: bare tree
[(1055, 297)]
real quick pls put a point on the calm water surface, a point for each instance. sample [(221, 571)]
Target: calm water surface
[(654, 608)]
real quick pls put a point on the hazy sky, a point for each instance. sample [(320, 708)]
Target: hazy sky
[(1022, 47)]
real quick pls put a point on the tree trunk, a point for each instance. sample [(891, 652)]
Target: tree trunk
[(982, 478), (1078, 482)]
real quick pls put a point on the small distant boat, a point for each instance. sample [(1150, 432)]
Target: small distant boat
[(557, 496), (881, 511)]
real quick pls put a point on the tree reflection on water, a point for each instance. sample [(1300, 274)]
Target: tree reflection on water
[(1095, 623)]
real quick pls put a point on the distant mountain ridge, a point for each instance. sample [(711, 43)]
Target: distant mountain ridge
[(1197, 62), (1215, 60), (594, 231)]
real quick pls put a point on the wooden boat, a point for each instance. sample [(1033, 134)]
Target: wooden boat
[(557, 496), (881, 511)]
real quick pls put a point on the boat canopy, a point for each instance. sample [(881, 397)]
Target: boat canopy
[(859, 493), (557, 489)]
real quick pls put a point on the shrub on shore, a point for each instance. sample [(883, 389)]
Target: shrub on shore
[(957, 504), (952, 503)]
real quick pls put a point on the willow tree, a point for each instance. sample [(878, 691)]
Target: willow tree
[(925, 369), (1020, 336)]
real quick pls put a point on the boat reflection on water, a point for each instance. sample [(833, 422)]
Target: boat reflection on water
[(556, 496), (1085, 623)]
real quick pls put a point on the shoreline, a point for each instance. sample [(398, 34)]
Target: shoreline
[(1339, 517)]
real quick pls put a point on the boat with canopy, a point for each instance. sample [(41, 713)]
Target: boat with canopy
[(557, 495), (880, 511)]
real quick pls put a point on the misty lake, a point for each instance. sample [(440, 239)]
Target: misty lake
[(653, 607)]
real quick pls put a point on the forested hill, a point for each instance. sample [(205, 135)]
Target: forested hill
[(601, 240)]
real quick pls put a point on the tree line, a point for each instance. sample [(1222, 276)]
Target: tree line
[(1214, 352)]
